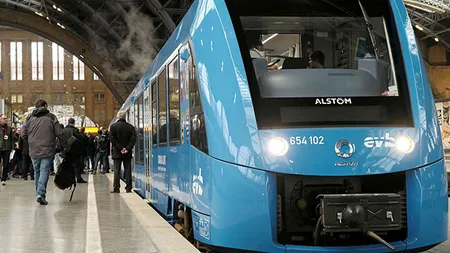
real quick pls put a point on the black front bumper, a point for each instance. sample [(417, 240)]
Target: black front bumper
[(361, 212)]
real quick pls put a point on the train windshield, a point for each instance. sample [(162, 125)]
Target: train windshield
[(322, 61)]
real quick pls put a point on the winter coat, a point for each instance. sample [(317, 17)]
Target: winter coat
[(91, 146), (23, 144), (41, 129), (18, 150), (77, 148), (123, 135), (6, 145), (102, 143)]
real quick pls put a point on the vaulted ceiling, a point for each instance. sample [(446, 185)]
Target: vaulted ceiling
[(115, 38), (431, 19)]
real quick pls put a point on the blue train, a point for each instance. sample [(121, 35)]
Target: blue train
[(292, 126)]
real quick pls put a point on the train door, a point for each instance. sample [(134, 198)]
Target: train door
[(153, 140), (147, 139), (159, 178), (174, 136), (184, 176)]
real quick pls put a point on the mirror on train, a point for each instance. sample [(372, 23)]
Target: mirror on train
[(184, 54)]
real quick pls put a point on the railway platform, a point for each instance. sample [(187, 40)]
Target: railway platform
[(96, 221)]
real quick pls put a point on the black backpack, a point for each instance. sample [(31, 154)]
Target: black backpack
[(65, 177)]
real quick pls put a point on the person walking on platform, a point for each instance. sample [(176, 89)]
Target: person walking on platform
[(41, 128), (91, 152), (102, 143), (17, 158), (74, 155), (27, 166), (85, 141), (108, 150), (123, 138), (6, 140)]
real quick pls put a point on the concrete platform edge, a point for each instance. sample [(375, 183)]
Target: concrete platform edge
[(165, 238)]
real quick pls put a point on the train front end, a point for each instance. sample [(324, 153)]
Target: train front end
[(350, 152)]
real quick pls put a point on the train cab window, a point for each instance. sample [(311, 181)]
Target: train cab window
[(174, 103), (198, 127), (154, 115), (297, 61), (162, 108), (194, 93)]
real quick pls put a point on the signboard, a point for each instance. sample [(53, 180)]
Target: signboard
[(443, 113)]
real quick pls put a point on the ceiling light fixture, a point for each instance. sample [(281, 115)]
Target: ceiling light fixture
[(419, 27), (427, 6), (63, 27), (421, 8), (271, 37)]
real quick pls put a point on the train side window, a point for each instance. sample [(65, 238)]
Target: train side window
[(198, 127), (154, 116), (140, 131), (162, 108), (147, 121), (131, 121), (129, 116), (174, 103), (194, 92), (135, 124)]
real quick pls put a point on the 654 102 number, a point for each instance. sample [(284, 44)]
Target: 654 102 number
[(306, 140)]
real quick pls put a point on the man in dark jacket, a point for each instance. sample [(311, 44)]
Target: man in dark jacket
[(27, 166), (123, 138), (91, 152), (6, 140), (86, 144), (41, 129), (16, 162), (102, 147), (74, 155)]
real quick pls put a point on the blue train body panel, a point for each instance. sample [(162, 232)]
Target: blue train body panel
[(139, 182), (253, 193), (233, 189)]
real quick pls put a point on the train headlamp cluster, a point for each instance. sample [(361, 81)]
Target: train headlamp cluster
[(405, 144), (278, 146)]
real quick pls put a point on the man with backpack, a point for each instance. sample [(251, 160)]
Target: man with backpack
[(74, 154), (41, 129)]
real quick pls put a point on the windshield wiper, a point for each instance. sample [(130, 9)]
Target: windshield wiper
[(369, 27)]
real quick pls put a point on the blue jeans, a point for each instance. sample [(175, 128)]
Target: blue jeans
[(42, 168), (91, 159), (102, 158)]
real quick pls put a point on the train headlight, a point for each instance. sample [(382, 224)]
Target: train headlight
[(278, 146), (405, 144)]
